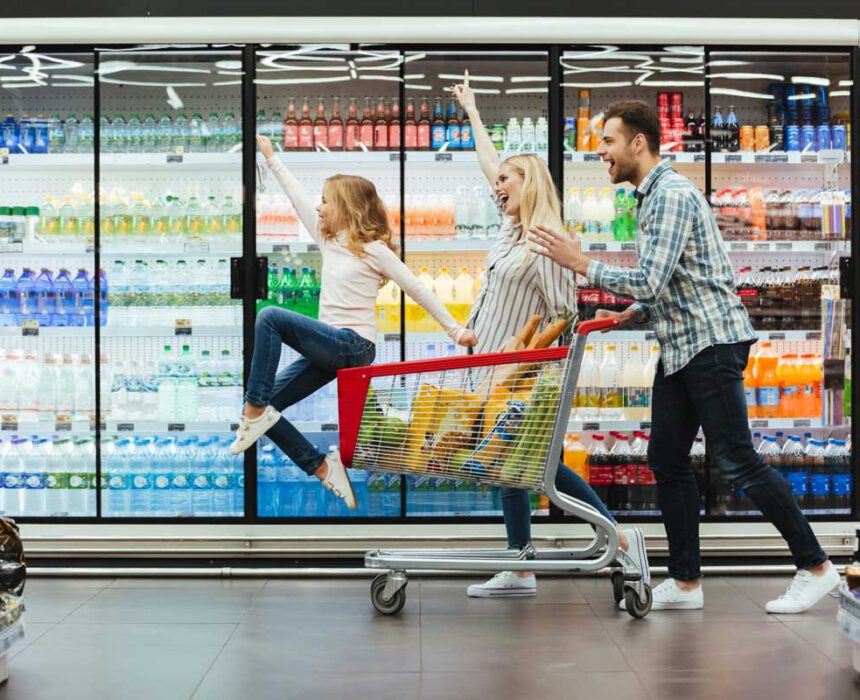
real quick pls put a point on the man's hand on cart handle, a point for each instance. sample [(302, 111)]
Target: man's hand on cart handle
[(625, 318), (564, 250)]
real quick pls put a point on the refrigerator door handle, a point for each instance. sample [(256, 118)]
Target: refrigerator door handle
[(262, 278), (237, 281)]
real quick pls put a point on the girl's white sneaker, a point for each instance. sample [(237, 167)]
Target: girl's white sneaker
[(252, 429)]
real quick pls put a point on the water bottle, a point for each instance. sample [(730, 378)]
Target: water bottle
[(134, 135), (267, 486), (46, 298), (165, 456), (214, 134), (223, 480), (85, 135), (9, 134), (181, 133), (83, 290), (164, 134), (116, 471), (202, 499), (196, 142), (64, 292), (140, 477), (9, 307), (289, 490), (56, 135), (33, 496), (57, 466), (78, 471), (149, 131), (26, 134), (207, 384), (47, 387), (231, 131), (25, 290), (840, 466), (14, 471), (237, 468), (186, 386), (166, 386), (119, 136), (182, 477)]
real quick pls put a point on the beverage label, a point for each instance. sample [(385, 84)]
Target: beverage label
[(453, 136), (380, 136), (335, 137), (140, 481), (611, 398), (306, 137), (424, 139), (799, 483), (180, 481), (33, 481), (439, 135), (222, 481), (365, 136), (12, 481), (410, 136), (78, 481), (841, 484), (321, 135), (750, 395), (637, 397), (748, 296), (767, 395), (161, 481), (351, 137), (291, 137), (201, 481), (644, 476), (117, 481), (467, 136), (601, 475), (820, 484), (57, 481), (590, 297), (394, 136)]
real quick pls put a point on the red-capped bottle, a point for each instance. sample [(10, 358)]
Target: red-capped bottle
[(320, 127), (410, 127), (380, 127), (365, 129), (351, 137), (291, 127), (394, 126), (306, 127), (335, 128), (424, 125)]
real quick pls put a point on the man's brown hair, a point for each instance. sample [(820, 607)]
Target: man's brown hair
[(638, 117)]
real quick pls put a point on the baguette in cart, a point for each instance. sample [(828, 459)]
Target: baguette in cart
[(497, 419)]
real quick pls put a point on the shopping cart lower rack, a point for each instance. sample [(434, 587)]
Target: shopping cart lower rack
[(497, 419)]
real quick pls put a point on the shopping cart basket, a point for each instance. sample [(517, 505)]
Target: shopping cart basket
[(497, 419)]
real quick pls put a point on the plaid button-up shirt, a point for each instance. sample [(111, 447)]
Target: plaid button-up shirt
[(683, 279)]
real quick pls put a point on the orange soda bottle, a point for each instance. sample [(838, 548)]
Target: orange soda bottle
[(750, 388), (817, 375), (576, 456), (767, 384), (786, 374)]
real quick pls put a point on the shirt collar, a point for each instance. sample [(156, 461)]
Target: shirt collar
[(648, 180)]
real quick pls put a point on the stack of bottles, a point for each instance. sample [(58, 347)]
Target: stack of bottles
[(180, 387), (47, 386), (798, 119), (782, 298), (818, 470), (189, 476), (37, 134), (783, 386), (615, 389), (168, 283), (293, 290), (277, 220), (439, 495), (457, 293), (756, 214), (524, 136), (598, 217), (580, 133), (64, 300), (676, 133), (285, 491), (619, 473), (42, 476), (18, 224)]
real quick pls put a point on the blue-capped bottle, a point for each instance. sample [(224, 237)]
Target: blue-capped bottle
[(438, 127)]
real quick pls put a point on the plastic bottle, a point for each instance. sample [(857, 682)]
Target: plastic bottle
[(67, 490), (83, 301), (606, 215), (182, 476), (46, 298), (9, 305), (165, 456), (591, 216), (167, 386), (574, 217), (202, 502), (186, 386), (576, 456), (600, 470), (636, 390), (223, 481), (444, 288), (464, 295), (767, 383), (611, 400), (267, 486), (588, 394), (231, 216), (819, 479), (787, 375), (181, 137), (139, 462)]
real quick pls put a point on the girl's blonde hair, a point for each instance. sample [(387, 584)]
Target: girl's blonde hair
[(540, 204), (359, 210)]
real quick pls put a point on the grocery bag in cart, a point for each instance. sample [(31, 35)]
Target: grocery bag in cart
[(449, 418)]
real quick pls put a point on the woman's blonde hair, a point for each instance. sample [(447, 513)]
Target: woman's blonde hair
[(540, 204), (358, 209)]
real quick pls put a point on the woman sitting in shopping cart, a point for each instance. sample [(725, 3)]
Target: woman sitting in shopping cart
[(518, 285), (350, 226)]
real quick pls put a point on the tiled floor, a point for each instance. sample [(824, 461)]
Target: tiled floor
[(318, 639)]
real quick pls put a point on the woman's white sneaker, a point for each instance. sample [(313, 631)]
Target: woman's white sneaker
[(504, 584), (638, 553), (252, 429), (804, 591), (337, 480), (667, 596)]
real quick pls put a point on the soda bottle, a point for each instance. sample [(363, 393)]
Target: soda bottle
[(787, 375), (438, 128), (424, 136), (576, 456), (351, 135), (619, 222), (624, 474), (733, 132), (819, 480), (718, 132), (394, 125), (306, 127), (750, 389), (366, 127), (600, 470), (410, 126), (767, 383), (291, 127), (452, 124), (840, 476), (380, 127), (286, 289)]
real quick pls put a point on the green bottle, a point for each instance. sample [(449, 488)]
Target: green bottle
[(286, 289)]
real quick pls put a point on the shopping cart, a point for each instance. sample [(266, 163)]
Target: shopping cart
[(497, 419)]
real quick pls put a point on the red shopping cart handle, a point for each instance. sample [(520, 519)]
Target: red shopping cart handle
[(598, 324)]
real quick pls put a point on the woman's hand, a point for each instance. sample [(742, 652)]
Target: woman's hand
[(468, 339), (265, 146), (464, 94)]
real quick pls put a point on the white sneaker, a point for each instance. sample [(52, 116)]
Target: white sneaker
[(337, 480), (636, 550), (505, 583), (667, 596), (804, 591), (252, 429)]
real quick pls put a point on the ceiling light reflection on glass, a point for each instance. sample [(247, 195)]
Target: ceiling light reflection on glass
[(810, 80)]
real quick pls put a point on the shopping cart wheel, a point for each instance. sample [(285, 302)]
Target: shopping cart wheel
[(391, 606), (636, 606), (617, 578)]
